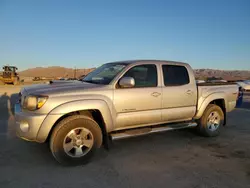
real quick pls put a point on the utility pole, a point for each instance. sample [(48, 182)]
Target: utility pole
[(75, 73)]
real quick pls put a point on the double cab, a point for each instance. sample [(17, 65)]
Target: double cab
[(119, 100)]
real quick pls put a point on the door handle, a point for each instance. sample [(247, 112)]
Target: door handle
[(155, 94), (189, 92)]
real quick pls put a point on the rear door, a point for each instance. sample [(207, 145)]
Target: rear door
[(179, 93)]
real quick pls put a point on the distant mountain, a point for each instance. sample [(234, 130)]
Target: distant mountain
[(55, 72), (224, 74)]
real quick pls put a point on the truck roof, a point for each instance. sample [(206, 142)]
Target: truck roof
[(9, 66), (149, 61)]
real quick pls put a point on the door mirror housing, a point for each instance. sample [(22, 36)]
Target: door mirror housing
[(127, 82)]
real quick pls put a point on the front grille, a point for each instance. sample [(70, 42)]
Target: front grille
[(6, 74), (20, 99)]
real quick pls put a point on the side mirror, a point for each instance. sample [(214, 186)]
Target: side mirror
[(127, 82)]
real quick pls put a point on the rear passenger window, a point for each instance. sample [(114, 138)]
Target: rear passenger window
[(175, 75)]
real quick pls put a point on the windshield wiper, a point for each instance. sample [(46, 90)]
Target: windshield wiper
[(90, 81)]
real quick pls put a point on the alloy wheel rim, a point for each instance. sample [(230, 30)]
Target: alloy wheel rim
[(78, 142), (213, 121)]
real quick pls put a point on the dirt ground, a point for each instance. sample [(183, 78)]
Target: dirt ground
[(171, 159)]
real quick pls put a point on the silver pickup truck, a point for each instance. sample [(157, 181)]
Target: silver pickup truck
[(119, 100)]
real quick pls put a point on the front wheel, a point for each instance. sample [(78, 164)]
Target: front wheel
[(16, 81), (75, 139), (211, 121)]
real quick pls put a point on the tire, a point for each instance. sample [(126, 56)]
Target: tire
[(211, 128), (16, 81), (62, 137)]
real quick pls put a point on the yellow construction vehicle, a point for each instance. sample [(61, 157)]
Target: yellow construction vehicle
[(9, 76)]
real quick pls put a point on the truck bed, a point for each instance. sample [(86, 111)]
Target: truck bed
[(215, 83)]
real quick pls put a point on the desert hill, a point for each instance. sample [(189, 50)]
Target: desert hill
[(68, 72), (54, 72)]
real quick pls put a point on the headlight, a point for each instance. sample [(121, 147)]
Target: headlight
[(34, 102)]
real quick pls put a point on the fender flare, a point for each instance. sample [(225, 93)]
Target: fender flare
[(73, 106), (207, 101)]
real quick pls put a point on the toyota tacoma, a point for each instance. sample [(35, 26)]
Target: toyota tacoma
[(119, 100)]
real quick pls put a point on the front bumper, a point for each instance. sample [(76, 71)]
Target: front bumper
[(27, 123)]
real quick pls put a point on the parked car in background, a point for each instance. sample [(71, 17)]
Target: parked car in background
[(217, 81), (36, 79), (245, 85), (200, 81), (119, 100)]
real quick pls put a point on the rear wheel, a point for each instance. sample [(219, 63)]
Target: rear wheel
[(75, 139), (211, 121)]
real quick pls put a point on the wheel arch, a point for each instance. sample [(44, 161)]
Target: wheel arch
[(95, 109), (218, 99)]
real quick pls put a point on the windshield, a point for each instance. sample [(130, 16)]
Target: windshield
[(9, 69), (104, 74)]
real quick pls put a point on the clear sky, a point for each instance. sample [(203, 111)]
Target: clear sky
[(87, 33)]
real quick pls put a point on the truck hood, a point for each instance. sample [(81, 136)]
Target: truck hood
[(60, 88)]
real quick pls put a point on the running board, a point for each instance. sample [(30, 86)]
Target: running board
[(149, 130)]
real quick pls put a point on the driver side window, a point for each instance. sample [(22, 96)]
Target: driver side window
[(144, 75)]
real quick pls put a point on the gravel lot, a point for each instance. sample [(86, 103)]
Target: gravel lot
[(171, 159)]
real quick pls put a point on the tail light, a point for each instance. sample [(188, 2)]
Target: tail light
[(19, 98), (240, 92)]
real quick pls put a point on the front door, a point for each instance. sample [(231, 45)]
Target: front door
[(140, 105)]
